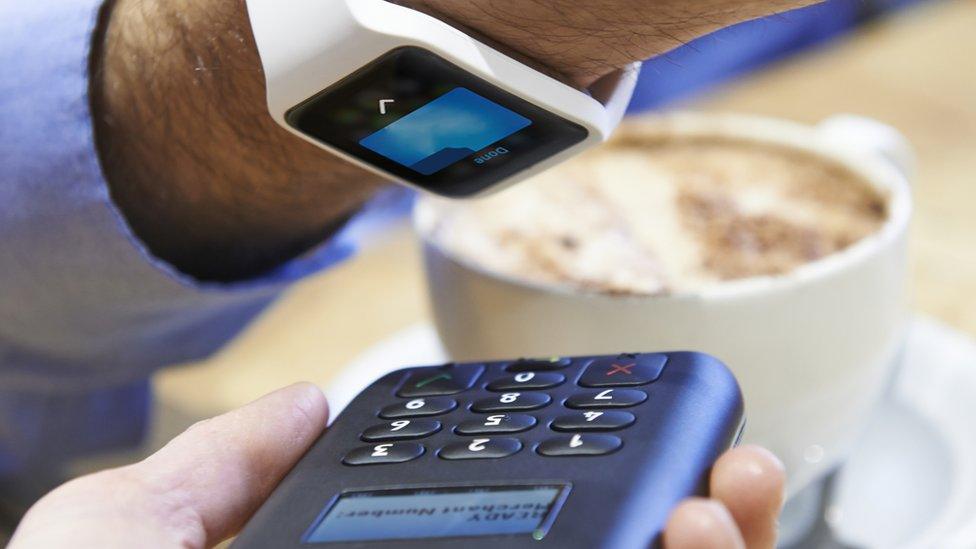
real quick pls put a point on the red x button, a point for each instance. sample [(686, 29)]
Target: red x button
[(623, 370), (620, 368)]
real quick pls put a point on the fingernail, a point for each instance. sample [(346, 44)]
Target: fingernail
[(310, 402), (715, 516), (701, 522)]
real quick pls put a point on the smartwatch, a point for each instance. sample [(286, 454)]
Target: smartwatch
[(420, 102)]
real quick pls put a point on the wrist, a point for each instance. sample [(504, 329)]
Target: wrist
[(202, 173), (581, 42), (522, 41)]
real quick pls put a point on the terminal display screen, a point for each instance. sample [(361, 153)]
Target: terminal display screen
[(438, 513)]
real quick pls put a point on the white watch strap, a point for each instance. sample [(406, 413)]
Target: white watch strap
[(308, 45), (615, 91)]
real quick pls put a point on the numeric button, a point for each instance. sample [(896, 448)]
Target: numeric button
[(539, 364), (496, 423), (512, 402), (388, 452), (579, 445), (481, 448), (419, 407), (607, 398), (527, 380), (401, 429), (624, 370), (593, 420)]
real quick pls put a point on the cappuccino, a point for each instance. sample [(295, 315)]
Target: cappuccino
[(647, 215)]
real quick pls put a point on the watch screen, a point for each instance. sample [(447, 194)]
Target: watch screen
[(415, 115), (439, 512)]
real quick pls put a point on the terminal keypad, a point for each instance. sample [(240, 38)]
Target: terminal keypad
[(489, 411)]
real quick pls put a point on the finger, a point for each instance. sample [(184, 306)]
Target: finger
[(196, 491), (700, 523), (223, 468), (749, 481)]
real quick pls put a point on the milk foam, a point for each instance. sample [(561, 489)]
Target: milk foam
[(657, 216)]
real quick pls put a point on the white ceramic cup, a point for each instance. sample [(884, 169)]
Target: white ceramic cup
[(812, 349)]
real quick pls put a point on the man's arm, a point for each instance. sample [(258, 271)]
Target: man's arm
[(583, 41), (202, 173), (214, 186)]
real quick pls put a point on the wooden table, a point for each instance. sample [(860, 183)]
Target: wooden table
[(916, 71)]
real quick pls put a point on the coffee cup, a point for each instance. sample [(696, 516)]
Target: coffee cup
[(813, 348)]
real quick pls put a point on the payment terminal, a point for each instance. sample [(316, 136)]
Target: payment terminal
[(590, 451)]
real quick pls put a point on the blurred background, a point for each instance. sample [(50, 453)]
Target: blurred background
[(909, 64)]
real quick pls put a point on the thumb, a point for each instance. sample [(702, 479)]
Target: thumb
[(196, 491), (225, 467)]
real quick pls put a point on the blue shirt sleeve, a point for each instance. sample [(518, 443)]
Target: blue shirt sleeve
[(84, 306)]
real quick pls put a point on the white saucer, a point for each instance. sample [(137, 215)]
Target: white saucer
[(910, 483), (416, 345)]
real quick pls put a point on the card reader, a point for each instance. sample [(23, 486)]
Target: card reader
[(561, 452)]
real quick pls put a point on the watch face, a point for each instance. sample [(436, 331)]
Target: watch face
[(429, 122)]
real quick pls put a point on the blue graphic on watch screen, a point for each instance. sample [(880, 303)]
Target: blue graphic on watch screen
[(449, 128)]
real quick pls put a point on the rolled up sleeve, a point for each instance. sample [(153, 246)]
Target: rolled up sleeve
[(84, 305)]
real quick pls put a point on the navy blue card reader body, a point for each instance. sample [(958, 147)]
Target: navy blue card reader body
[(561, 452)]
